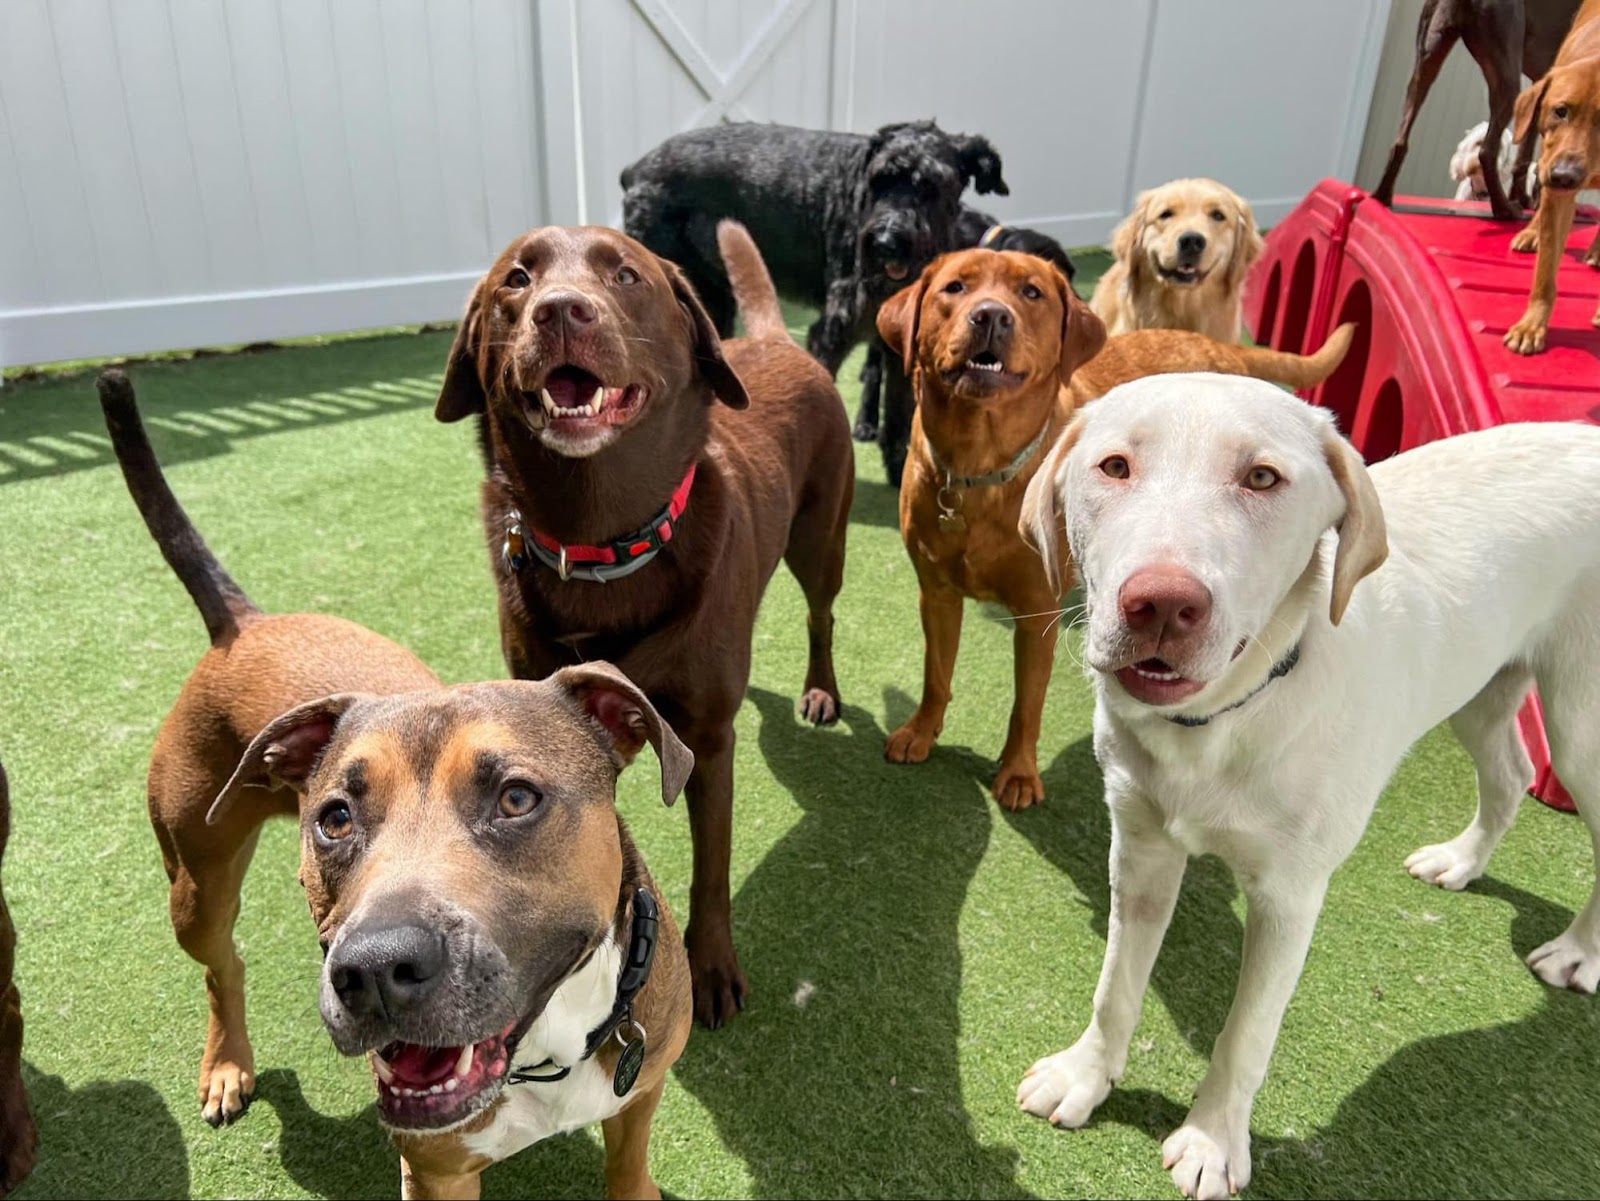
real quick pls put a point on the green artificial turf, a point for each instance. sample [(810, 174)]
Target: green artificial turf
[(912, 948)]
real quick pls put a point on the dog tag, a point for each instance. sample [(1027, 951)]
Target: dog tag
[(628, 1063), (952, 523)]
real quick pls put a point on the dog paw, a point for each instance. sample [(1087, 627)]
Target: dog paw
[(1566, 962), (1526, 337), (1208, 1159), (1018, 787), (1526, 242), (1592, 259), (720, 989), (909, 744), (819, 706), (865, 432), (1065, 1088), (1450, 864), (1510, 211), (226, 1092)]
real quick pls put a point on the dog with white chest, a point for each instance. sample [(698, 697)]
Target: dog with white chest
[(1254, 695)]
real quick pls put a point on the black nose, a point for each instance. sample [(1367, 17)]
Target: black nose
[(1567, 175), (1191, 243), (387, 966), (993, 319), (572, 309)]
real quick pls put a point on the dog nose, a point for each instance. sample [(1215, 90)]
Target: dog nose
[(993, 318), (1164, 601), (1567, 174), (1191, 243), (387, 967), (572, 309)]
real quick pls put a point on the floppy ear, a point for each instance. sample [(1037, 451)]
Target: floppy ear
[(1527, 110), (1040, 524), (708, 360), (1082, 331), (1127, 240), (614, 701), (1247, 247), (1363, 537), (287, 751), (900, 319), (462, 393), (980, 163)]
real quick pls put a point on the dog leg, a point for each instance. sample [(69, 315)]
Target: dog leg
[(1519, 170), (1146, 871), (816, 557), (720, 988), (628, 1149), (894, 428), (831, 335), (866, 426), (1033, 641), (1554, 219), (1433, 45), (1527, 239), (1487, 727), (1209, 1155), (1497, 52), (941, 634)]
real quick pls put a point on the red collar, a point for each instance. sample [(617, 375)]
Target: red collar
[(598, 564)]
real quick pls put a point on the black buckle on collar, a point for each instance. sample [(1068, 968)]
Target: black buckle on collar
[(1279, 669), (636, 963)]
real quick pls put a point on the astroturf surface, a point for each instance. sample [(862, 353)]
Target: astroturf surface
[(911, 947)]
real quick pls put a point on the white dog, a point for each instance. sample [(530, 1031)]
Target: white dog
[(1468, 172), (1252, 702)]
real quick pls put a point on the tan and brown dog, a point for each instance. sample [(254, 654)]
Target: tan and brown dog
[(644, 481), (19, 1137), (1001, 352), (1565, 107)]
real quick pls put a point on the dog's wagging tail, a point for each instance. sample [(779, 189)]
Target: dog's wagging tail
[(753, 291)]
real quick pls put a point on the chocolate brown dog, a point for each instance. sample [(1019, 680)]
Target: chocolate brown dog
[(644, 479), (19, 1138), (489, 927), (1001, 352), (259, 665)]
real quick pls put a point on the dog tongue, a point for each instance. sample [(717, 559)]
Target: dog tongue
[(424, 1065)]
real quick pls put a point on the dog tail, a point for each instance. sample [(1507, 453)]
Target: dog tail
[(752, 285), (1299, 370), (222, 603)]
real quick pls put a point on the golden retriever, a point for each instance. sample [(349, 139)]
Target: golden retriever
[(1181, 258)]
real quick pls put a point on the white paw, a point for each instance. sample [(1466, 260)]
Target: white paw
[(1206, 1160), (1565, 962), (1452, 865), (1066, 1087)]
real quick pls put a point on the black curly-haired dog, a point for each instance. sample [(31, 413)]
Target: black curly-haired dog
[(843, 220), (972, 228)]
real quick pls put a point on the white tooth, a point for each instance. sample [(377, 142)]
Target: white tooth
[(437, 1088), (599, 399), (589, 410), (406, 1092), (381, 1066), (464, 1060), (395, 1089), (547, 400), (451, 1085)]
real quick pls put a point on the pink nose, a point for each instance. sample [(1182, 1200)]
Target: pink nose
[(1164, 602)]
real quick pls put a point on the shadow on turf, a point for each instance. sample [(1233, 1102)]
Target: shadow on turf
[(843, 1076), (196, 410), (110, 1138)]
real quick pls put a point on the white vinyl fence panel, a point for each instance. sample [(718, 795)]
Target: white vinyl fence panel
[(178, 173)]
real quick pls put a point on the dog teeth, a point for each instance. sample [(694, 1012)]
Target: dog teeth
[(546, 400), (464, 1060), (1165, 677), (598, 401), (976, 366), (451, 1085), (437, 1088), (381, 1066)]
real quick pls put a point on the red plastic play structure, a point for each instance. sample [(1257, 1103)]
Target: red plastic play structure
[(1432, 287)]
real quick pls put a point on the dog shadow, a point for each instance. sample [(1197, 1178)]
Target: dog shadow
[(844, 1074), (109, 1138), (353, 1157), (876, 503)]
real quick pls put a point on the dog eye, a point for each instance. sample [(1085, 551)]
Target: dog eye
[(1216, 215), (1166, 215), (517, 279), (335, 822), (1561, 112), (627, 277), (1116, 467), (1031, 292), (953, 287), (518, 799), (1262, 479)]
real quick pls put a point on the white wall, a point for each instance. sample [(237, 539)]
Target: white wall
[(177, 173)]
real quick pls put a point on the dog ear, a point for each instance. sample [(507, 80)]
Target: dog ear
[(1527, 110), (900, 319), (1040, 524), (287, 751), (1082, 331), (1247, 247), (462, 393), (707, 346), (1127, 240), (614, 701), (1363, 536), (980, 164)]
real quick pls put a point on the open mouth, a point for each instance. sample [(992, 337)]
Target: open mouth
[(430, 1088), (986, 371), (1157, 682), (576, 400), (1183, 274), (896, 270)]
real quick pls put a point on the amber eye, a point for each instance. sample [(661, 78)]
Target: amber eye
[(627, 277), (953, 287), (1262, 479), (1030, 292), (1217, 215), (1166, 215), (518, 799), (1116, 467), (335, 823), (1561, 112), (518, 278)]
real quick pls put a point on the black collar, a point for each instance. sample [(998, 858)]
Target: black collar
[(635, 972), (1279, 669)]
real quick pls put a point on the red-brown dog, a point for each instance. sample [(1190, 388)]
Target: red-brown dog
[(19, 1138)]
